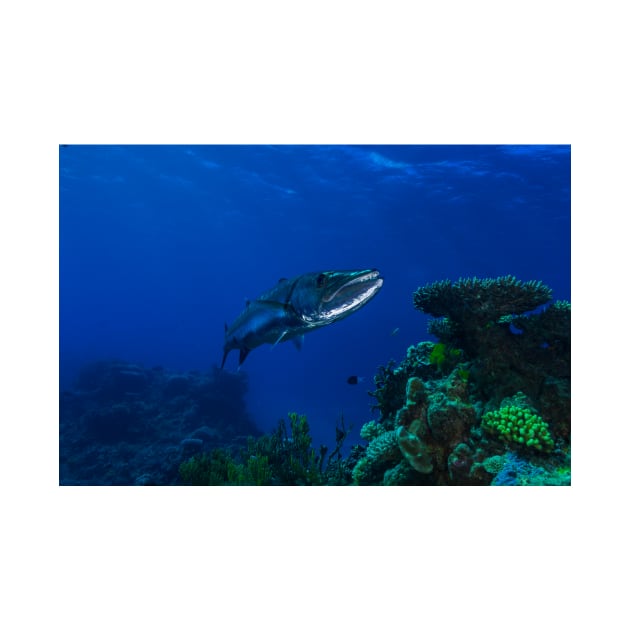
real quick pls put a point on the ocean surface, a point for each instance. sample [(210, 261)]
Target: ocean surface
[(161, 246)]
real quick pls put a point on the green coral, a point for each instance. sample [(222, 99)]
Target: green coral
[(519, 426), (444, 357)]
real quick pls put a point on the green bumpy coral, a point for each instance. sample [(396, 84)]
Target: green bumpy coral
[(519, 426)]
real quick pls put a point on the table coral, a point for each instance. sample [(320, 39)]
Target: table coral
[(506, 346), (471, 309), (482, 300)]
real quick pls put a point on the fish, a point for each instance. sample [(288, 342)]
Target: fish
[(353, 380), (297, 306), (394, 332)]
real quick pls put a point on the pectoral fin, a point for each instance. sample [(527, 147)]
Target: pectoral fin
[(243, 355), (279, 339)]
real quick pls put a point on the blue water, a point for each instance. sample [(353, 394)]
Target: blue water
[(161, 245)]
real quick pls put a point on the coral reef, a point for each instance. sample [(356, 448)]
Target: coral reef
[(471, 304), (487, 403), (497, 378), (126, 424), (382, 453)]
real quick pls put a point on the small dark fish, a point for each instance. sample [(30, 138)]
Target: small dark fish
[(353, 380)]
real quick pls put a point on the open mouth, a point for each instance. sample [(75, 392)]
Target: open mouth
[(353, 294)]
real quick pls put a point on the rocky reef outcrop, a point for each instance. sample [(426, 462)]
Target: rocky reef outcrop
[(123, 423)]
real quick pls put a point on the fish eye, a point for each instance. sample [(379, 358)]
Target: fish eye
[(321, 280)]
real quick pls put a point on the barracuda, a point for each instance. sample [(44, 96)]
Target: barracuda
[(299, 305)]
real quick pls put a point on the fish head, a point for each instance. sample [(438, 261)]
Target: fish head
[(320, 298)]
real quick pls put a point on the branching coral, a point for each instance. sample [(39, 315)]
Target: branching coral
[(520, 427)]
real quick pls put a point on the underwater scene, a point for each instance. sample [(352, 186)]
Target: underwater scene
[(315, 315)]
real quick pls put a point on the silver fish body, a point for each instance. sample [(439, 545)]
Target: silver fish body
[(299, 305)]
